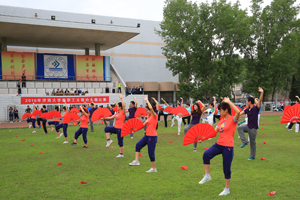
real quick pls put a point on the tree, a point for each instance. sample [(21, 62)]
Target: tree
[(266, 51)]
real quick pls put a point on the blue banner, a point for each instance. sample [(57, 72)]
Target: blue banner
[(55, 66)]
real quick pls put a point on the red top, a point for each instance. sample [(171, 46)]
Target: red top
[(227, 129), (120, 119), (33, 117), (56, 120), (64, 116), (84, 121), (152, 123)]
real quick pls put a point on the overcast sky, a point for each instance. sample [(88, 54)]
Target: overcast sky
[(137, 9)]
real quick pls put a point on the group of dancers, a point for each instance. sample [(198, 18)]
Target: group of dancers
[(226, 126)]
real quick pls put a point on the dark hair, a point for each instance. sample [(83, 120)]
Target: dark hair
[(225, 106), (251, 99), (112, 105), (188, 104), (133, 103), (120, 105), (212, 104), (85, 109), (56, 108), (297, 100), (64, 108), (92, 104), (199, 112), (44, 106)]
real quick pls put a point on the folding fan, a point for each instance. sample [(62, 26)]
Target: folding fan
[(74, 110), (115, 108), (287, 108), (26, 115), (53, 114), (70, 117), (100, 113), (223, 117), (291, 115), (57, 114), (198, 104), (233, 112), (216, 111), (140, 112), (180, 111), (36, 113), (200, 131), (168, 109), (44, 115), (131, 126), (159, 107)]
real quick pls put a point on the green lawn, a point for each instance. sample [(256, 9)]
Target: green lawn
[(27, 174)]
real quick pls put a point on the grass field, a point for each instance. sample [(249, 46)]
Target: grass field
[(27, 174)]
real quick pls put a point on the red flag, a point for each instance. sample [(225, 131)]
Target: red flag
[(272, 193), (83, 182), (59, 163), (183, 167), (265, 143)]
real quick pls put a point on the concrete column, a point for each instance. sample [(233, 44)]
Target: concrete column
[(87, 51), (97, 49), (3, 44)]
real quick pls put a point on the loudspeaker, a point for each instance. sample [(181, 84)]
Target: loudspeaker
[(107, 90)]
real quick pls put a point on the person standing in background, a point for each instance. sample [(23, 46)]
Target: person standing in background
[(23, 80), (119, 87), (19, 86), (92, 109)]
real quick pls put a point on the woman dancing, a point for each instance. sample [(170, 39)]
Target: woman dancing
[(224, 145)]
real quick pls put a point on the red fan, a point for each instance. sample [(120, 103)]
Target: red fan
[(74, 110), (287, 108), (159, 107), (223, 117), (57, 114), (180, 111), (216, 112), (200, 131), (115, 108), (291, 115), (26, 115), (44, 115), (199, 105), (70, 117), (131, 126), (54, 114), (168, 109), (245, 107), (140, 112), (233, 112), (36, 113), (100, 113)]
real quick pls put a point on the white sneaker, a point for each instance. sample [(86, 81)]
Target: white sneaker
[(209, 138), (134, 163), (179, 133), (151, 170), (172, 124), (108, 143), (131, 137), (30, 126), (65, 142), (61, 134), (224, 192), (11, 122), (120, 156), (205, 179), (33, 131)]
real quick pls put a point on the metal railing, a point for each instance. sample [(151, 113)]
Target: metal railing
[(42, 78)]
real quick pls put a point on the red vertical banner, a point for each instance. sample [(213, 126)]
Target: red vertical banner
[(89, 68), (15, 64)]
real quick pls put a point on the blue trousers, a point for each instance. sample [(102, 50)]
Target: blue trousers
[(32, 121), (82, 131), (55, 123), (65, 128), (111, 129), (151, 142), (227, 153)]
